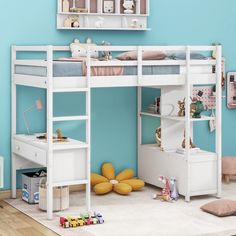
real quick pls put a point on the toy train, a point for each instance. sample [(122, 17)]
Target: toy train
[(83, 219)]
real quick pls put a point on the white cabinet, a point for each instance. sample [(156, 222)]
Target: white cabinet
[(91, 14), (198, 172)]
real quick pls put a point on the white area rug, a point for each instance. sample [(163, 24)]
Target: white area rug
[(140, 215)]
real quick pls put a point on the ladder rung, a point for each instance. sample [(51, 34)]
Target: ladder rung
[(70, 118), (70, 90)]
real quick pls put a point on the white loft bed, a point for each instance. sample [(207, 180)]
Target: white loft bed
[(27, 151)]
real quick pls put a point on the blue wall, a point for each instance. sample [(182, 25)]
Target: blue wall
[(113, 110)]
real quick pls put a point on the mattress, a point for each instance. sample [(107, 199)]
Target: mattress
[(67, 69)]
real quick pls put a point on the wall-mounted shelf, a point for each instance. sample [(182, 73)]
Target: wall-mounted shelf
[(91, 15)]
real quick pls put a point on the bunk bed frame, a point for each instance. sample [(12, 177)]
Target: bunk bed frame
[(27, 152)]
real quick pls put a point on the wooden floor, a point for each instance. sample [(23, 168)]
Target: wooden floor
[(15, 223)]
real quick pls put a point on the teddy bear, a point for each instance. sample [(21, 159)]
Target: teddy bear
[(128, 5), (79, 49)]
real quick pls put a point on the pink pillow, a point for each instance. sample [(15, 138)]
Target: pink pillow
[(222, 207), (147, 55)]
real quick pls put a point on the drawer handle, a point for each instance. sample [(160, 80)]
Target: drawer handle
[(18, 148)]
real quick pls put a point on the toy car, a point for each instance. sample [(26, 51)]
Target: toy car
[(73, 222), (64, 222), (87, 220), (99, 218), (94, 220), (81, 221)]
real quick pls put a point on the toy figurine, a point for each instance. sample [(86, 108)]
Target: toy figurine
[(174, 192), (128, 5), (191, 145), (165, 193), (181, 108), (196, 108), (59, 134), (158, 136), (99, 218)]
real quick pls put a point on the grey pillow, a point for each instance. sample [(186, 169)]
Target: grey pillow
[(182, 56)]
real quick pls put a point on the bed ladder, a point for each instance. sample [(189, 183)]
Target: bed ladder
[(51, 119)]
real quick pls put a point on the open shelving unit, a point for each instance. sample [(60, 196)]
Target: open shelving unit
[(93, 17), (197, 172)]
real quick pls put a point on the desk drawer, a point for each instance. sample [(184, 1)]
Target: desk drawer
[(30, 152)]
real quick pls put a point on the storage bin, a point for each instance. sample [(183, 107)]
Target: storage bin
[(30, 187), (60, 197)]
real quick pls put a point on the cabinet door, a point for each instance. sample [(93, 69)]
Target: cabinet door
[(203, 176)]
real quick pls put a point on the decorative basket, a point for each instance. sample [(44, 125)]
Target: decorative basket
[(60, 197)]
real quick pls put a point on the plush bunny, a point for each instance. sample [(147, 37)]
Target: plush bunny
[(79, 49)]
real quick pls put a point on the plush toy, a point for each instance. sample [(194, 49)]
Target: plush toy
[(79, 49), (165, 194), (123, 183), (105, 55), (174, 192), (128, 5)]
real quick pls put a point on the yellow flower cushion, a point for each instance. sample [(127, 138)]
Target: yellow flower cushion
[(122, 184)]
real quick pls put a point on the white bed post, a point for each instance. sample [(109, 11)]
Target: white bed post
[(218, 116), (13, 122), (50, 132), (187, 123), (139, 95), (88, 128)]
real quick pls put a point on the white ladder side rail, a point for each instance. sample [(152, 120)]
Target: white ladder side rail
[(13, 122), (88, 127), (218, 116), (50, 132), (187, 122)]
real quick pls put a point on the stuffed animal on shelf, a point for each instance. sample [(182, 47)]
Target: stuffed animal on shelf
[(79, 49), (128, 5), (123, 183), (174, 191), (165, 194)]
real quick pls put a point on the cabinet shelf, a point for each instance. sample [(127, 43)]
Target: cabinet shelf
[(102, 14), (178, 118)]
